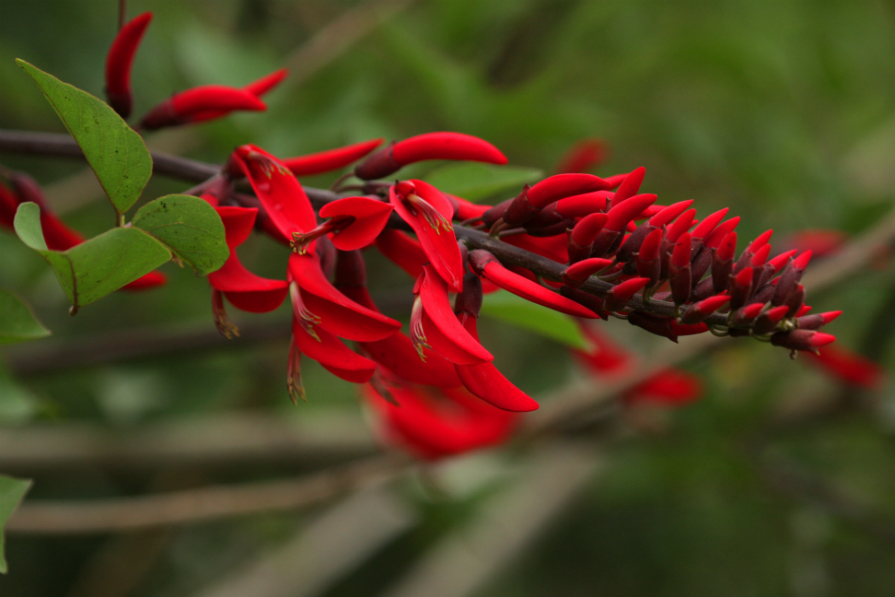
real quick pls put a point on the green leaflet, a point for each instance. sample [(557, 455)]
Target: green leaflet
[(11, 493), (522, 313), (96, 267), (17, 322), (188, 226), (115, 151)]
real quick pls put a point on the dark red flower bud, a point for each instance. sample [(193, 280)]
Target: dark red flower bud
[(667, 214), (809, 340), (744, 316), (850, 367), (622, 213), (648, 263), (740, 288), (332, 159), (187, 106), (722, 263), (680, 225), (697, 312), (430, 146), (622, 292), (688, 329), (119, 61), (583, 156), (790, 277), (760, 256), (718, 235), (591, 301), (629, 186), (532, 199), (579, 206), (781, 260), (582, 236), (816, 321), (679, 273), (708, 224), (577, 273), (795, 300), (767, 321)]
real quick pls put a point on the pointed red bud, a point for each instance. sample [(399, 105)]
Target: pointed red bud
[(809, 340), (760, 241), (648, 264), (761, 256), (621, 214), (708, 224), (722, 263), (577, 273), (680, 225), (680, 256), (430, 146), (699, 311), (745, 315), (583, 156), (740, 288), (718, 235), (667, 214), (266, 83), (767, 321), (119, 61), (560, 186), (332, 159), (629, 186), (189, 106), (585, 231), (816, 321), (579, 206), (781, 260), (622, 292)]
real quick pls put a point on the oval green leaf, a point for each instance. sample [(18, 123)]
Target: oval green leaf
[(97, 267), (474, 181), (114, 150), (189, 226), (517, 311), (11, 493), (17, 322)]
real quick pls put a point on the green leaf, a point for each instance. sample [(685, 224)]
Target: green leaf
[(11, 493), (17, 322), (114, 150), (188, 226), (515, 310), (91, 270), (474, 181)]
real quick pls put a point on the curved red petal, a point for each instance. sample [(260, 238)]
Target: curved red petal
[(370, 215), (560, 186), (330, 352), (119, 61), (448, 338), (331, 159), (247, 291), (446, 146), (532, 291), (238, 223), (403, 251), (266, 83)]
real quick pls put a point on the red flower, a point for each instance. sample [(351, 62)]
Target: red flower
[(354, 223), (434, 424), (193, 105), (256, 88), (119, 61), (332, 159), (429, 213)]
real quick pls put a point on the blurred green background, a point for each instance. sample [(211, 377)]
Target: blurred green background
[(782, 111)]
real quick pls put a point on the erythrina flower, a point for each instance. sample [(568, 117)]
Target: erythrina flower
[(119, 61), (190, 105), (256, 88), (433, 424), (429, 214), (431, 146), (354, 223)]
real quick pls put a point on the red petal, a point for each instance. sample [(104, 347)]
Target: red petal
[(445, 334), (489, 384), (330, 352), (431, 221), (446, 146), (261, 86), (851, 367), (403, 251), (671, 387), (370, 216), (332, 159), (560, 186), (246, 290), (338, 314), (284, 201), (146, 282), (119, 61), (582, 205), (629, 186), (238, 223)]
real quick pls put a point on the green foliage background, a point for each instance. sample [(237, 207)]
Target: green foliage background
[(783, 111)]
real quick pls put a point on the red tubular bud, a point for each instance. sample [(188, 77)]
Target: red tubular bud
[(266, 83), (760, 241), (622, 213), (633, 241), (700, 263), (790, 277), (119, 61), (182, 107), (616, 179), (679, 273), (578, 206), (654, 324), (585, 231), (743, 317), (577, 273), (332, 159), (680, 225), (761, 256), (722, 263), (816, 321), (561, 186), (629, 186), (430, 146), (470, 300), (767, 321), (778, 262), (487, 266), (718, 234), (495, 213), (604, 242), (699, 311), (809, 340), (740, 287), (648, 264), (708, 224), (680, 257), (795, 300), (621, 293), (583, 156), (667, 214)]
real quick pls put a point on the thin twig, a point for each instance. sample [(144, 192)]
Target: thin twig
[(209, 503)]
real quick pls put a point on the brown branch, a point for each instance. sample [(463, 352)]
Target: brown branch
[(209, 503)]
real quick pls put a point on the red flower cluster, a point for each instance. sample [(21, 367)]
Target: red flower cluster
[(671, 275), (198, 104)]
